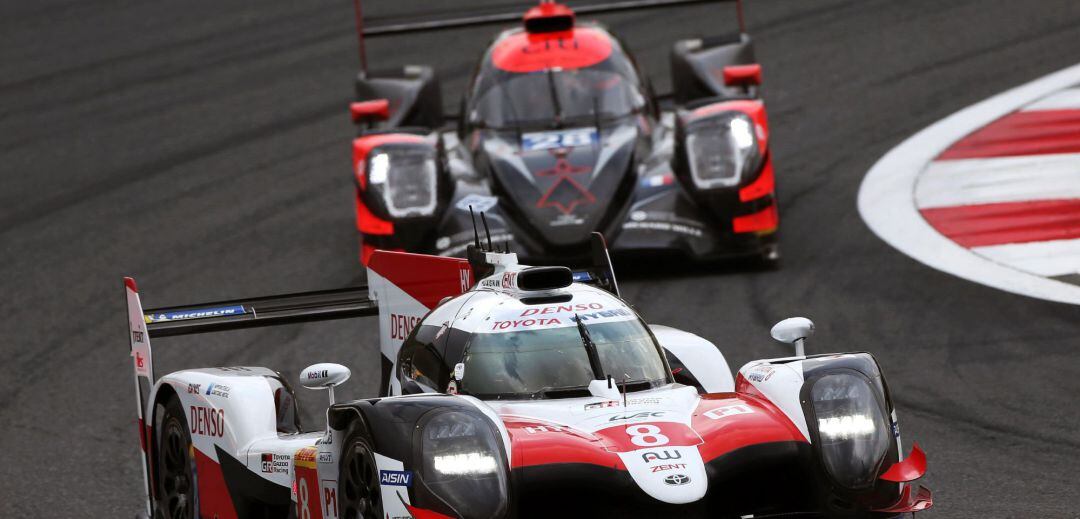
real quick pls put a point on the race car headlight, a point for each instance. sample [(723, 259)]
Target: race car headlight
[(463, 463), (721, 150), (852, 431), (405, 176)]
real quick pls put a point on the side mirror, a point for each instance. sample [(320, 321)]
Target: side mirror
[(324, 376), (742, 75), (376, 110), (410, 387), (794, 330)]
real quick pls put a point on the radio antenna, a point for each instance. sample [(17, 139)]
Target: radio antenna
[(486, 231), (476, 233)]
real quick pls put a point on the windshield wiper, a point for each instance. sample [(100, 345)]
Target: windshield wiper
[(590, 349), (560, 392)]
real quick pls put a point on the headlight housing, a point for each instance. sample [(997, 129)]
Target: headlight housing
[(853, 434), (403, 178), (463, 462), (721, 150)]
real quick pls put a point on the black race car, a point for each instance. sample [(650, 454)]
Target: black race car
[(560, 135)]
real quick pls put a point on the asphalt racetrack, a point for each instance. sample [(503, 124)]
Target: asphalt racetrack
[(203, 147)]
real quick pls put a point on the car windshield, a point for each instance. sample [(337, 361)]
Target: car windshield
[(553, 97), (553, 362)]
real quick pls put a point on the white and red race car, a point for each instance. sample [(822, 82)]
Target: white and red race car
[(513, 391)]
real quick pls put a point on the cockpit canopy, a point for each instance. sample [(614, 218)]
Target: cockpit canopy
[(504, 348), (565, 78)]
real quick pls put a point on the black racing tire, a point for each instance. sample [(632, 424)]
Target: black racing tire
[(359, 493), (174, 465)]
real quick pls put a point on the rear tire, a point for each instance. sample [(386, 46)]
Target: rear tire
[(358, 488), (175, 481)]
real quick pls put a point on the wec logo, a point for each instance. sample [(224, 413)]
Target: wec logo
[(635, 416)]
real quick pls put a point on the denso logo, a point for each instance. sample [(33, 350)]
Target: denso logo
[(565, 309), (402, 325), (207, 421), (661, 455)]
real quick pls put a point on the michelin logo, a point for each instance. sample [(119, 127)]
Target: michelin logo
[(198, 313)]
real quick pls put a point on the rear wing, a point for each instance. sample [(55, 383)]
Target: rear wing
[(401, 288), (391, 28), (261, 311)]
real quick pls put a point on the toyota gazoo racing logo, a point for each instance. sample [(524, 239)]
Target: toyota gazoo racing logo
[(677, 479)]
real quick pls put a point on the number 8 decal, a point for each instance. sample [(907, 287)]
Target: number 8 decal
[(302, 489), (646, 435)]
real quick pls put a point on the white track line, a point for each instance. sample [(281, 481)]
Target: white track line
[(1065, 100), (947, 183), (1044, 258), (886, 196)]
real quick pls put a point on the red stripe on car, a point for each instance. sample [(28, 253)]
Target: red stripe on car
[(765, 220), (214, 498)]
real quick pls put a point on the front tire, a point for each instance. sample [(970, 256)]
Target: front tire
[(359, 491), (176, 484)]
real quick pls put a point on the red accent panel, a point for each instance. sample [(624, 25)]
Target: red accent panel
[(368, 223), (363, 145), (730, 421), (420, 513), (1007, 222), (365, 253), (735, 75), (376, 109), (755, 109), (142, 434), (428, 279), (306, 485), (912, 468), (540, 443), (214, 498), (764, 185), (765, 220), (918, 501), (523, 52), (130, 283), (1021, 133), (619, 439)]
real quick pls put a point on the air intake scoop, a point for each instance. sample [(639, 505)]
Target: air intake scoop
[(549, 17), (544, 278)]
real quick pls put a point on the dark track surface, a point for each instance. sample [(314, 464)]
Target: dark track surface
[(203, 147)]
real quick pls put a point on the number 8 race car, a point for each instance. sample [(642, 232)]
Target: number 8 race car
[(512, 391), (561, 135)]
